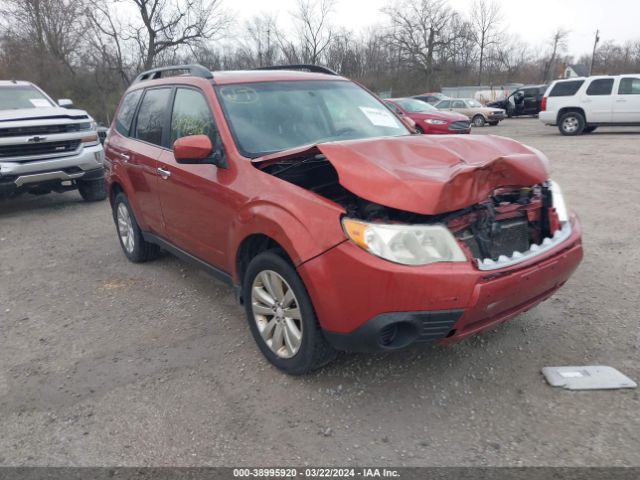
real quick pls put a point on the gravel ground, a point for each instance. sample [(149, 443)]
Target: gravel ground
[(105, 362)]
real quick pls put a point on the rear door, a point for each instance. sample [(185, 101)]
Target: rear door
[(597, 100), (196, 203), (626, 105)]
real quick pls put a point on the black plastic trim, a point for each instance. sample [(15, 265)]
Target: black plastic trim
[(425, 326), (187, 257)]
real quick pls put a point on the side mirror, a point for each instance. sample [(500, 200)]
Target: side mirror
[(198, 149), (65, 103)]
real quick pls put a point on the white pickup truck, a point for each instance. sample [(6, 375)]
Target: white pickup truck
[(580, 105), (47, 146)]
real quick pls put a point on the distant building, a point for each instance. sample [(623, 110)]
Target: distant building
[(577, 70)]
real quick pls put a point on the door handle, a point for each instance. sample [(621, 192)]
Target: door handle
[(124, 156), (163, 173), (622, 100)]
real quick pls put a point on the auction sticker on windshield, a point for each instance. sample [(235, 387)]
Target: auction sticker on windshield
[(379, 117)]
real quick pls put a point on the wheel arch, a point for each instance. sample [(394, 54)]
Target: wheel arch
[(564, 110)]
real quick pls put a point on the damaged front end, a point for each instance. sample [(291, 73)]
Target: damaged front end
[(504, 210)]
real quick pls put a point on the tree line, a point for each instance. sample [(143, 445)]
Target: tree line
[(90, 50)]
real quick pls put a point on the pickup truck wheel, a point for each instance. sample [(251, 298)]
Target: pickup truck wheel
[(281, 317), (92, 190), (478, 121), (132, 242), (571, 123)]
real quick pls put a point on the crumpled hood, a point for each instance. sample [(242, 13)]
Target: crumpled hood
[(430, 175), (24, 114)]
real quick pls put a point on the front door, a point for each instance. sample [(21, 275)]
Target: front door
[(196, 203)]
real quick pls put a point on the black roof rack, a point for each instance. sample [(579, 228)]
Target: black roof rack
[(301, 66), (194, 70)]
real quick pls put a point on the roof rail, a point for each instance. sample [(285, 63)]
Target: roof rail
[(194, 70), (301, 66)]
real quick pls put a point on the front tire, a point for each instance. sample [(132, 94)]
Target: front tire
[(133, 244), (478, 121), (281, 317), (92, 190), (571, 124)]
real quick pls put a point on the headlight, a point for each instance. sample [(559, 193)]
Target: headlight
[(405, 244), (558, 202), (435, 122)]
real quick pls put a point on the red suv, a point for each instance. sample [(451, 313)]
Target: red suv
[(339, 228)]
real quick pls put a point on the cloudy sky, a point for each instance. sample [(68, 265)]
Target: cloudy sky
[(534, 20)]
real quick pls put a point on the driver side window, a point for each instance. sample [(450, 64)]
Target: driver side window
[(191, 116)]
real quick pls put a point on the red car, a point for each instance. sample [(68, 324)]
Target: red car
[(429, 119), (338, 228)]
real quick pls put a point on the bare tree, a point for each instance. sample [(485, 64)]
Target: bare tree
[(558, 44), (417, 32), (260, 45), (52, 27), (485, 19), (170, 24), (314, 30)]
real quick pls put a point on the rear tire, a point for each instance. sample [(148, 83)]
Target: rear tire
[(92, 190), (571, 124), (281, 317), (133, 244), (478, 121)]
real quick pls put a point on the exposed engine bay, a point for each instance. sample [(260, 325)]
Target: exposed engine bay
[(509, 223)]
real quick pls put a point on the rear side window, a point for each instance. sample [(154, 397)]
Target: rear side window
[(152, 115), (191, 115), (629, 86), (127, 110), (601, 86), (566, 89), (458, 104)]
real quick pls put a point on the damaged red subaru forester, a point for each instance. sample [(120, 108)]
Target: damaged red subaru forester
[(339, 228)]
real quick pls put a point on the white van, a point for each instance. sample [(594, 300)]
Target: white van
[(580, 105)]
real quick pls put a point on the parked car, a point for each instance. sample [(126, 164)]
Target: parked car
[(47, 146), (338, 228), (429, 119), (580, 105), (431, 97), (474, 110), (523, 101)]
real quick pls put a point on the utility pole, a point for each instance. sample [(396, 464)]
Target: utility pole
[(593, 54)]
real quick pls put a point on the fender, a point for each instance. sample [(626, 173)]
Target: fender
[(301, 239)]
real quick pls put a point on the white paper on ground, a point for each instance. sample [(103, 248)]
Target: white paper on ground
[(592, 377), (380, 117)]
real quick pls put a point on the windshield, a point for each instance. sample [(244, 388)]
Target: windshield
[(474, 104), (273, 116), (22, 96), (415, 106)]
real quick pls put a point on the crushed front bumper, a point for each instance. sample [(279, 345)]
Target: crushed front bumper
[(365, 303)]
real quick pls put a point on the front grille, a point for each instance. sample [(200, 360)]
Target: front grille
[(32, 149), (509, 236), (43, 129), (460, 125)]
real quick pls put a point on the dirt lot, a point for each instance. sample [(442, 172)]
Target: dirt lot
[(104, 362)]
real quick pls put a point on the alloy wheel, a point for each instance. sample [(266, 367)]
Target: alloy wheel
[(277, 313), (570, 124), (125, 228)]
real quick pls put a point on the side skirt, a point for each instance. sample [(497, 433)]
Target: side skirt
[(187, 257)]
